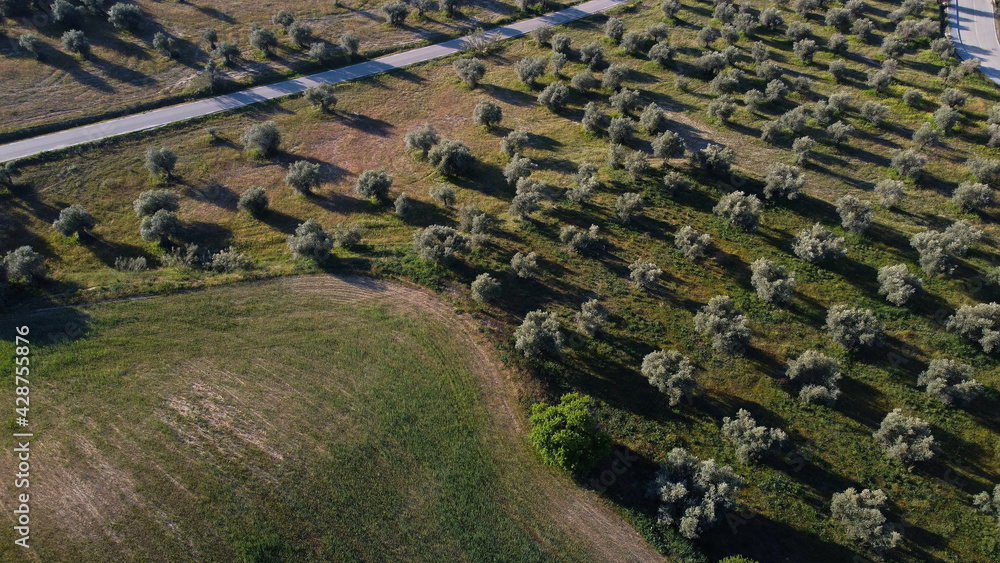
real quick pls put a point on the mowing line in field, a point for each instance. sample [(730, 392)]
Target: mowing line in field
[(208, 106)]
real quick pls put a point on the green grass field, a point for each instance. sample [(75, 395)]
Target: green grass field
[(309, 419), (786, 504)]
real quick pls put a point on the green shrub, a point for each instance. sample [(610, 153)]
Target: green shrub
[(567, 435)]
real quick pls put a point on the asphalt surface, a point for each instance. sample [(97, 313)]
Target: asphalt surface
[(181, 112), (973, 29)]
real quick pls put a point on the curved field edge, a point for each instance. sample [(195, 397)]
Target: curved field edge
[(301, 419)]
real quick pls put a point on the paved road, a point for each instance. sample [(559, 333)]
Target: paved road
[(181, 112), (972, 28)]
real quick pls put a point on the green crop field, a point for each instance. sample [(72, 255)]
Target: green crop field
[(785, 506), (311, 419)]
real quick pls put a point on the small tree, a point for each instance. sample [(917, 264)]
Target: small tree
[(452, 158), (644, 274), (23, 266), (803, 147), (487, 113), (518, 167), (32, 44), (855, 215), (75, 41), (653, 120), (151, 201), (669, 145), (322, 96), (591, 318), (624, 100), (523, 205), (908, 163), (861, 515), (772, 283), (692, 243), (662, 53), (898, 285), (471, 71), (979, 323), (74, 220), (164, 45), (614, 29), (693, 494), (485, 288), (817, 244), (805, 49), (524, 266), (422, 138), (950, 382), (438, 244), (628, 205), (125, 17), (263, 40), (583, 81), (211, 36), (724, 324), (889, 193), (395, 13), (350, 43), (374, 184), (817, 375), (561, 43), (160, 227), (228, 50), (514, 142), (874, 112), (783, 180), (614, 76), (945, 118), (303, 176), (254, 201), (972, 197), (554, 96), (300, 35), (741, 210), (925, 136), (530, 69), (443, 194), (904, 438), (542, 35), (989, 505), (403, 206), (347, 235), (592, 55), (853, 328), (311, 241), (839, 132), (713, 159), (160, 161), (578, 240), (722, 108), (751, 441), (261, 139), (567, 434), (671, 373), (539, 334)]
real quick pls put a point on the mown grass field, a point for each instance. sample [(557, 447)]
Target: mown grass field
[(786, 502), (125, 71), (307, 419)]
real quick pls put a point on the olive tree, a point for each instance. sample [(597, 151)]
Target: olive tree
[(938, 249), (906, 439), (75, 41), (693, 494), (855, 215), (524, 266), (818, 244), (321, 96), (908, 163), (74, 220), (628, 205), (969, 196), (530, 69), (514, 142), (713, 159), (311, 241), (817, 376), (253, 201), (692, 243), (160, 161), (160, 227), (949, 381), (724, 324), (579, 240), (263, 40), (741, 210), (395, 13), (149, 202), (485, 288), (126, 17), (669, 145), (671, 373), (554, 96), (979, 323), (889, 193), (540, 334), (751, 440), (24, 266), (783, 180), (644, 274), (422, 138), (261, 139), (443, 194), (591, 318), (470, 71), (452, 158), (863, 519), (662, 53), (853, 328), (487, 113), (839, 132), (772, 283), (898, 285), (438, 244), (620, 129), (374, 184)]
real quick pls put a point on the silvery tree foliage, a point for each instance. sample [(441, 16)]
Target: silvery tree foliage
[(693, 494)]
